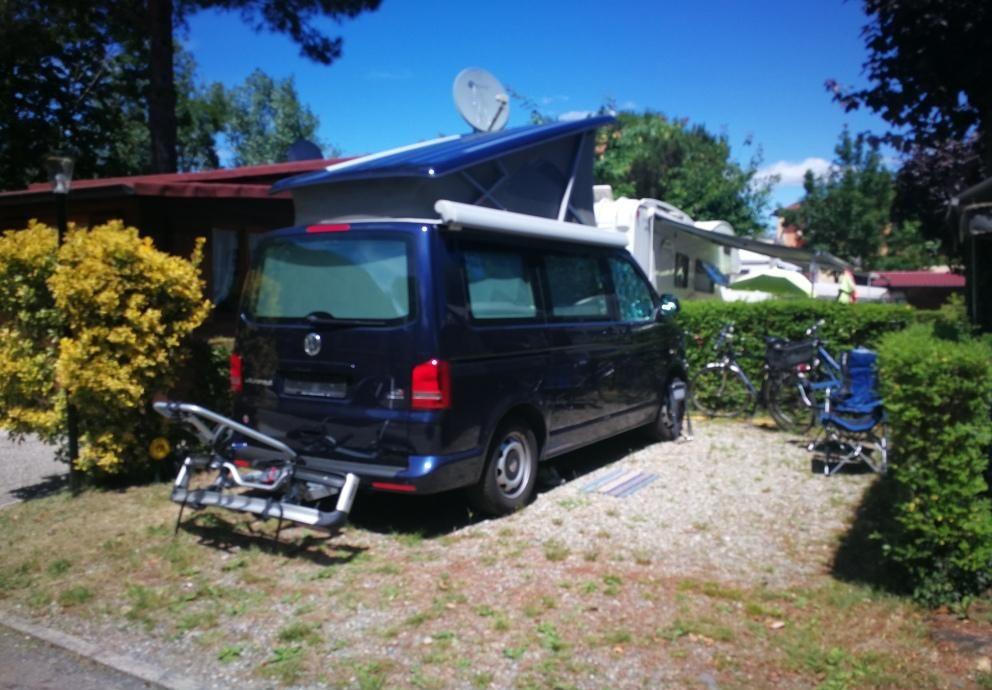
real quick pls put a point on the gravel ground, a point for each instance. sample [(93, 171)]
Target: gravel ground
[(27, 469), (738, 504)]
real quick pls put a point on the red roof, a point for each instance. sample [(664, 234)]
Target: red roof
[(250, 181), (917, 279)]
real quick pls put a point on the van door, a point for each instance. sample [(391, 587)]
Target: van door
[(581, 384), (645, 353)]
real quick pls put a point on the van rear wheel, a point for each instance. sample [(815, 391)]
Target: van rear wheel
[(510, 473)]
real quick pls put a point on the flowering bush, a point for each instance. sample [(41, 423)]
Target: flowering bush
[(128, 309), (29, 330)]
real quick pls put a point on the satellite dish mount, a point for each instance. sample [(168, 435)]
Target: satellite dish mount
[(481, 100)]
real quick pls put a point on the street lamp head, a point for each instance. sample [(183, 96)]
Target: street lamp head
[(59, 168)]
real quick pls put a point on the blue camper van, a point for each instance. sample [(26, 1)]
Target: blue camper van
[(447, 316)]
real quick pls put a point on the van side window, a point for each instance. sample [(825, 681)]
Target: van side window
[(633, 294), (576, 286), (499, 285)]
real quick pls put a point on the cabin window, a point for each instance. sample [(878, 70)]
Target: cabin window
[(681, 270), (701, 281), (223, 263)]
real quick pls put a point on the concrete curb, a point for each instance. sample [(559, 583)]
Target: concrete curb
[(138, 669)]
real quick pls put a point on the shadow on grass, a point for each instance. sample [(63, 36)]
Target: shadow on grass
[(859, 558), (440, 514), (215, 532)]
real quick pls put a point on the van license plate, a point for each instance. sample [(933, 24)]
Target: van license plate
[(317, 389)]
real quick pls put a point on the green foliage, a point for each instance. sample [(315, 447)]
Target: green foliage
[(846, 326), (62, 83), (649, 155), (922, 70), (847, 211), (29, 331), (924, 79), (938, 396), (265, 117), (201, 112), (128, 310)]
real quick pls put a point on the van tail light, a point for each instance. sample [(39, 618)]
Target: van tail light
[(237, 374), (430, 387)]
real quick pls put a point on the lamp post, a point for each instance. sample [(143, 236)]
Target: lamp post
[(60, 175)]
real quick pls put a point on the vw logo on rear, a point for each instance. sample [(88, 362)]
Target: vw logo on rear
[(311, 344)]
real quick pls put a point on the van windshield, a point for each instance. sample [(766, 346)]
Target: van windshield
[(340, 276)]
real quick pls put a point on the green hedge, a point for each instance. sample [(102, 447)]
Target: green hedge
[(847, 325), (938, 396)]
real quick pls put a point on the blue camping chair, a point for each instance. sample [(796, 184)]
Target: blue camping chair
[(852, 420)]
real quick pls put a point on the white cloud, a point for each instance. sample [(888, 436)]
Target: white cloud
[(550, 100), (576, 115), (791, 174)]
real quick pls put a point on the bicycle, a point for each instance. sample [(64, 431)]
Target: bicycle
[(721, 388), (792, 375), (799, 372)]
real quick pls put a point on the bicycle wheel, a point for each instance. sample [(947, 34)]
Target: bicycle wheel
[(790, 403), (719, 391)]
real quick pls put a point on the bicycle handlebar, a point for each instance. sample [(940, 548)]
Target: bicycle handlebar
[(811, 331)]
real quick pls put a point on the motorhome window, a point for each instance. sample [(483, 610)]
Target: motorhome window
[(681, 271), (633, 294), (576, 286), (344, 275), (499, 285), (701, 281)]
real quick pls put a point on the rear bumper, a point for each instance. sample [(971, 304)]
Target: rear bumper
[(427, 474)]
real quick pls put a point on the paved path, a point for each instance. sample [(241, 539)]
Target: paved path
[(27, 663), (27, 469)]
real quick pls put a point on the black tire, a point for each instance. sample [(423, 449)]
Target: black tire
[(667, 426), (790, 403), (719, 391), (510, 473)]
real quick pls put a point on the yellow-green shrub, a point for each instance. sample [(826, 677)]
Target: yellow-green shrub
[(129, 310), (29, 331)]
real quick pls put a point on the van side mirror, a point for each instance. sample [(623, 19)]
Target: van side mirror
[(668, 308)]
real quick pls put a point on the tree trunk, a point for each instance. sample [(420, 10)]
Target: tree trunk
[(161, 87)]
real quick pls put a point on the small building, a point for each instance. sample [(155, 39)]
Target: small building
[(229, 208), (922, 289)]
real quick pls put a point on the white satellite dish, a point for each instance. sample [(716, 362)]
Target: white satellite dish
[(481, 99)]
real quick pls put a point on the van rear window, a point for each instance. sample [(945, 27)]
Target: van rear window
[(342, 276)]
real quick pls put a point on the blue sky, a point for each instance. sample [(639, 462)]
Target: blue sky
[(753, 70)]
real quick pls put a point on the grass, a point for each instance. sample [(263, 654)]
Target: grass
[(554, 619), (299, 632), (285, 665), (555, 550)]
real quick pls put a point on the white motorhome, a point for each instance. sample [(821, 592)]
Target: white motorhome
[(671, 247)]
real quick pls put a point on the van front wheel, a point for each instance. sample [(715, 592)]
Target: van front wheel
[(667, 426), (511, 470)]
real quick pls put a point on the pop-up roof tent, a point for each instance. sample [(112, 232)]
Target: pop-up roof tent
[(541, 170)]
